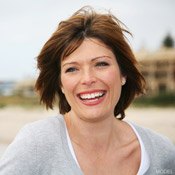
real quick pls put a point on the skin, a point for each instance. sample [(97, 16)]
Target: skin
[(103, 145)]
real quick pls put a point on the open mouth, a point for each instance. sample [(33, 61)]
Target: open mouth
[(92, 98)]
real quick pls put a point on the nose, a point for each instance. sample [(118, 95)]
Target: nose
[(88, 77)]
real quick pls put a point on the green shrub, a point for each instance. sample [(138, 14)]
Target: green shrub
[(17, 100), (162, 100)]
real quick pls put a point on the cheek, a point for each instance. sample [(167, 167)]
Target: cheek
[(68, 84), (113, 78)]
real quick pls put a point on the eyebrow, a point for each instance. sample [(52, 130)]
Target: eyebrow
[(104, 56), (93, 59)]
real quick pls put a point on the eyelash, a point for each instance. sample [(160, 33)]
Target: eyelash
[(71, 69), (102, 64)]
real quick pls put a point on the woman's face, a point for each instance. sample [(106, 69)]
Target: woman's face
[(91, 80)]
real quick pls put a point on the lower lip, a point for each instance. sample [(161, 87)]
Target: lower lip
[(93, 102)]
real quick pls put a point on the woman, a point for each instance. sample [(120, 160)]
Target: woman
[(89, 67)]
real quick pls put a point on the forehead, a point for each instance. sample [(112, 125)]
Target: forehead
[(89, 49)]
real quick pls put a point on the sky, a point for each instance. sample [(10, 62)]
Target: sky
[(25, 25)]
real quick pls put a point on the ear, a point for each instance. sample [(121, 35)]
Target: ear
[(123, 80)]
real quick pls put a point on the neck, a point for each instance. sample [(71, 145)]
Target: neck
[(94, 135)]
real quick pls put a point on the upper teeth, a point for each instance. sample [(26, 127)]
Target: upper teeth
[(92, 95)]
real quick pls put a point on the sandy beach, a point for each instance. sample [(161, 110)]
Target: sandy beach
[(162, 120)]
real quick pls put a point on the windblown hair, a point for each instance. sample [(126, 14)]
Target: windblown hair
[(86, 23)]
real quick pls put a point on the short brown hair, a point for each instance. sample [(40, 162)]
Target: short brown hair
[(86, 23)]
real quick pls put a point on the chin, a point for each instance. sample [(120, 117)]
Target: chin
[(93, 116)]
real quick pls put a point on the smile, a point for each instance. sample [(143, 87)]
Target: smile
[(92, 98)]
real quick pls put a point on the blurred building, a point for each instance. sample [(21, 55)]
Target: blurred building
[(158, 68), (7, 88), (25, 88)]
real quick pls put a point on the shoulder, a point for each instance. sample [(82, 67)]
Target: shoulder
[(34, 144), (151, 137), (45, 134), (160, 149), (45, 128)]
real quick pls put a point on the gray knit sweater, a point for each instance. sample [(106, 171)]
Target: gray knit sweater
[(41, 148)]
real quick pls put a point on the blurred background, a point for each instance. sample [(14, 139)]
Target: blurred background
[(26, 25)]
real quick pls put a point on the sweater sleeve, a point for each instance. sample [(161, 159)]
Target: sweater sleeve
[(20, 156)]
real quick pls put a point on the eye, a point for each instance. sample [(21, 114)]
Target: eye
[(102, 64), (71, 69)]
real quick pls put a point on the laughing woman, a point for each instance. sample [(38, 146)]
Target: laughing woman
[(89, 67)]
